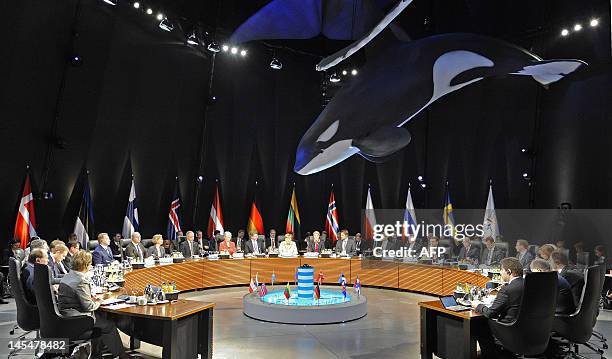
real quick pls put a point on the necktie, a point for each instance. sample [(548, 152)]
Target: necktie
[(108, 250), (344, 246), (190, 248), (273, 244), (255, 247), (316, 247), (490, 256)]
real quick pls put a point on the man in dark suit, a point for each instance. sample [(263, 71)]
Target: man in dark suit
[(135, 249), (102, 254), (37, 255), (345, 245), (116, 244), (565, 300), (14, 251), (574, 277), (190, 247), (491, 254), (505, 307), (315, 244), (272, 241), (523, 254), (73, 248), (469, 252), (239, 240), (254, 245), (415, 246)]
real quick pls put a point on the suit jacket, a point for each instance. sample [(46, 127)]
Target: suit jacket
[(74, 295), (350, 247), (101, 256), (130, 250), (417, 247), (27, 281), (506, 305), (248, 246), (310, 246), (57, 272), (473, 253), (242, 243), (211, 243), (187, 253), (565, 299), (268, 242), (525, 260), (152, 252), (231, 248), (498, 255), (8, 253), (575, 278), (68, 261)]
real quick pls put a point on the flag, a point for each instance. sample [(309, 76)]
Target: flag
[(409, 217), (317, 292), (257, 279), (83, 226), (252, 286), (215, 220), (130, 221), (174, 214), (370, 218), (447, 215), (273, 279), (357, 286), (321, 277), (490, 224), (264, 290), (255, 220), (331, 223), (25, 225), (296, 275), (287, 292), (341, 279), (344, 289), (293, 218)]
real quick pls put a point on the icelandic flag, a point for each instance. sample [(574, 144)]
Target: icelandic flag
[(252, 286), (83, 226), (264, 290), (342, 279), (174, 214), (130, 221), (409, 217), (370, 218), (273, 279), (490, 224), (357, 286)]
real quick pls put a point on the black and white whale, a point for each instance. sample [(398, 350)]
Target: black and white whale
[(365, 116)]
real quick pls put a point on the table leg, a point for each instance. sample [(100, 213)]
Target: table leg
[(134, 342), (428, 333), (205, 334), (469, 339), (170, 350)]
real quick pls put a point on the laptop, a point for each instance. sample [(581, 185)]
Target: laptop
[(450, 303)]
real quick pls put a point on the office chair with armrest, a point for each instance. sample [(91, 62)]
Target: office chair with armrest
[(530, 332), (577, 328), (27, 314), (602, 280), (91, 245), (503, 246)]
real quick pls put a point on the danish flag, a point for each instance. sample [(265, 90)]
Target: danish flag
[(25, 226)]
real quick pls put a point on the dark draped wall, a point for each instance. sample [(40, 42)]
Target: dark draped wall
[(137, 106)]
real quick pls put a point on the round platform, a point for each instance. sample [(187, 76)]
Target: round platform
[(277, 311)]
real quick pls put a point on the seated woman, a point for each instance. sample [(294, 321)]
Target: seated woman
[(168, 246), (156, 250), (227, 244), (545, 253), (75, 298), (287, 248)]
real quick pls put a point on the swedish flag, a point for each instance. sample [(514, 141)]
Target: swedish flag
[(447, 215)]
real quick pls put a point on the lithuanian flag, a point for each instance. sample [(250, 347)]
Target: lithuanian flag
[(287, 292), (293, 218)]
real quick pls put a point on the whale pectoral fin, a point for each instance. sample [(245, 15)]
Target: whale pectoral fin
[(382, 142), (376, 159), (549, 71)]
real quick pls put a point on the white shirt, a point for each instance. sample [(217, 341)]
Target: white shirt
[(255, 246), (287, 249)]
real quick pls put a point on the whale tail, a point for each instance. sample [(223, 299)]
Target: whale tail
[(548, 71)]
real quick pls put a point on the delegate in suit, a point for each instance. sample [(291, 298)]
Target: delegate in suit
[(314, 244), (491, 254), (135, 249), (469, 252), (102, 254), (345, 245), (190, 247)]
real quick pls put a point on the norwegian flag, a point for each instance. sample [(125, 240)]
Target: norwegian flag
[(252, 286), (331, 223), (25, 226), (264, 290), (215, 220), (174, 214)]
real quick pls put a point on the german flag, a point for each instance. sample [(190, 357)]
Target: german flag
[(255, 220), (293, 218)]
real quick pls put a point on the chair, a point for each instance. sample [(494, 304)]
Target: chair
[(91, 245), (147, 242), (503, 246), (530, 332), (27, 314), (577, 327)]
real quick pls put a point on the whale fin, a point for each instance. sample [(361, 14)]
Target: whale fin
[(382, 142), (548, 71), (376, 159)]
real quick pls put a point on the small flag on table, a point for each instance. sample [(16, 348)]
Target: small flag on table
[(296, 276), (287, 292), (273, 278), (257, 279), (320, 278), (342, 279), (264, 290), (252, 286), (344, 289), (357, 286), (317, 292)]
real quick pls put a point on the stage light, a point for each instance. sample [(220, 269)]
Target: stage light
[(525, 175), (149, 11), (111, 2), (193, 39), (200, 178), (214, 98), (354, 72), (166, 25), (420, 178), (344, 72), (523, 150), (136, 5), (564, 32), (76, 60), (234, 50), (213, 47), (423, 185), (225, 48), (334, 78), (160, 16), (577, 27), (276, 64), (594, 22), (243, 52)]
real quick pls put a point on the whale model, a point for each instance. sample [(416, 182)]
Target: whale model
[(366, 116)]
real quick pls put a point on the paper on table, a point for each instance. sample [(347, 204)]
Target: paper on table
[(110, 301), (119, 306)]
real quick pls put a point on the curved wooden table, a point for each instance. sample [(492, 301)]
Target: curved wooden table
[(204, 273)]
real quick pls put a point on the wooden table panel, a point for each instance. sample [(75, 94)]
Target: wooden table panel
[(187, 275), (284, 268), (420, 278), (138, 279), (226, 272), (331, 268), (169, 311), (450, 277), (374, 272)]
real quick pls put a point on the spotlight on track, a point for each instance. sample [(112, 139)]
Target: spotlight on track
[(166, 25), (76, 60), (594, 22), (354, 72), (193, 39), (136, 5), (564, 32), (344, 72), (160, 16), (334, 78), (276, 64), (149, 11), (234, 50), (577, 27), (243, 53), (213, 47), (111, 2), (526, 176), (420, 178), (225, 48), (423, 185)]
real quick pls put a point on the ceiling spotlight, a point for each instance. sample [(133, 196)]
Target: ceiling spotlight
[(344, 72), (594, 22), (577, 27), (160, 16), (111, 2), (334, 78), (136, 5), (234, 50), (354, 72), (423, 185), (420, 178), (225, 48), (213, 47), (243, 52), (564, 32), (149, 11), (200, 178), (525, 175), (166, 25), (193, 39), (276, 64)]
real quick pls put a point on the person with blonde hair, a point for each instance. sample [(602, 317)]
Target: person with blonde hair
[(56, 265), (156, 250)]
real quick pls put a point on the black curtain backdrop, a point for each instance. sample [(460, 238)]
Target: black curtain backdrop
[(137, 106)]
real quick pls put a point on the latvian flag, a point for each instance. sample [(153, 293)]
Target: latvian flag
[(25, 226), (130, 221), (174, 214), (215, 220), (331, 222), (83, 226)]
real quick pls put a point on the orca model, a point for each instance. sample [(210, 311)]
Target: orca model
[(365, 116)]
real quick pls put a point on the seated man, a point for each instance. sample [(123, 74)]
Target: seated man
[(505, 307), (315, 244), (103, 254), (37, 255), (56, 265), (565, 300), (522, 253), (254, 245), (491, 254), (73, 248), (345, 245), (574, 277), (190, 247), (14, 250), (135, 249), (287, 248), (239, 241), (469, 252), (436, 254)]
